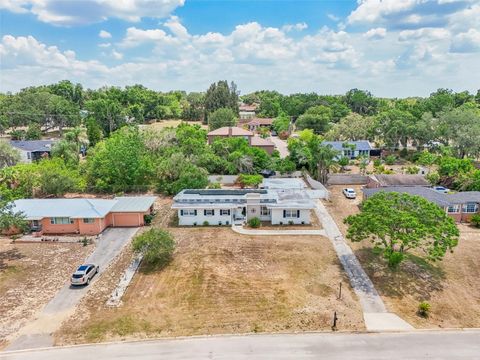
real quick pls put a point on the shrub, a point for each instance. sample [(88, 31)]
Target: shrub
[(290, 222), (214, 185), (377, 162), (394, 259), (412, 170), (424, 309), (390, 159), (147, 218), (156, 245), (475, 220), (17, 135), (404, 153), (246, 180), (283, 135), (254, 222), (34, 132), (206, 223)]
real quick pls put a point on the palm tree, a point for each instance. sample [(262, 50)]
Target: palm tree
[(78, 136)]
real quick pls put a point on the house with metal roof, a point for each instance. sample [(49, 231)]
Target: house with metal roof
[(235, 206), (32, 150), (83, 216), (350, 149), (460, 206)]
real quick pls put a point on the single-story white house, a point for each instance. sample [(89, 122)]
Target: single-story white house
[(351, 149), (235, 206), (32, 150)]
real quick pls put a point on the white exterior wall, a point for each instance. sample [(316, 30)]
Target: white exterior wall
[(200, 218), (277, 217), (24, 156)]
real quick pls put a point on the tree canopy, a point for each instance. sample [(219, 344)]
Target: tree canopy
[(399, 223)]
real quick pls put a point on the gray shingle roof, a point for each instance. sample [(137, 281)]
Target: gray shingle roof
[(33, 145), (400, 180), (359, 144), (436, 197)]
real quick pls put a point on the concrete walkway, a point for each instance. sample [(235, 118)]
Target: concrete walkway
[(374, 311), (38, 333), (243, 231)]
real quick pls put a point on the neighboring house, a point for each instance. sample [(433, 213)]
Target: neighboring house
[(233, 131), (384, 180), (225, 207), (283, 184), (351, 149), (257, 123), (460, 206), (247, 112), (32, 150), (84, 216)]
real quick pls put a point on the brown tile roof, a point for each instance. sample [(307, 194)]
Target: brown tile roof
[(260, 121), (245, 107), (400, 180), (235, 131), (258, 141)]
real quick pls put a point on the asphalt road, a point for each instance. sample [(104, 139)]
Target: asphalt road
[(38, 332), (447, 345)]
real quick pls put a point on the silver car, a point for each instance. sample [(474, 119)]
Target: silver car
[(349, 193), (84, 274)]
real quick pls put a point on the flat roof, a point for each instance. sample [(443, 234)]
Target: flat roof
[(283, 183), (359, 144), (223, 192)]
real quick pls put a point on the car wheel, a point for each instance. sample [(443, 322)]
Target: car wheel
[(96, 271), (88, 281)]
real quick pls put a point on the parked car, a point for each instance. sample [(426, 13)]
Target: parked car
[(349, 193), (273, 133), (441, 189), (267, 173), (84, 274)]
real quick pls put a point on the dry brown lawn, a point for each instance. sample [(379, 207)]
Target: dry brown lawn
[(222, 282), (30, 274), (173, 123), (451, 286)]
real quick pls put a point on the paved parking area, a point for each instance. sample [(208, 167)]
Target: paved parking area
[(38, 332)]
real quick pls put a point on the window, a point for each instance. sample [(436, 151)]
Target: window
[(88, 220), (264, 211), (470, 207), (209, 212), (453, 209), (29, 155), (188, 212), (225, 212), (61, 221), (291, 213)]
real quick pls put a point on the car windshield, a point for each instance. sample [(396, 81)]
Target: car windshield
[(77, 276), (82, 268)]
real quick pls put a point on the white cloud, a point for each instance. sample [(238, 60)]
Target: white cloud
[(370, 11), (333, 17), (399, 62), (116, 55), (298, 27), (81, 12), (376, 34), (466, 42), (104, 34)]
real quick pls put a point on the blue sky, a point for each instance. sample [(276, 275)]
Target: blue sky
[(390, 47)]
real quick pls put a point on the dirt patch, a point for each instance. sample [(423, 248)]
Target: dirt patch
[(30, 274), (451, 286), (223, 282)]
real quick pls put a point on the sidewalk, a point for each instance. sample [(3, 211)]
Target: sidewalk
[(242, 230), (375, 314)]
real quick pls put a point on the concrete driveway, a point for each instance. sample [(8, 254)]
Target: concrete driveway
[(38, 332), (447, 345), (280, 145)]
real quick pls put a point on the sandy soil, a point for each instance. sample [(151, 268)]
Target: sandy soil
[(223, 282), (30, 274), (451, 286)]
